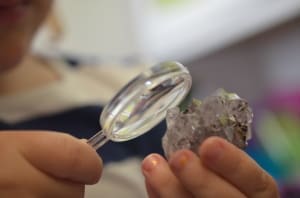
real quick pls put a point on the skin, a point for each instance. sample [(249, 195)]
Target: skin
[(49, 164), (46, 164), (16, 37), (223, 170), (37, 163)]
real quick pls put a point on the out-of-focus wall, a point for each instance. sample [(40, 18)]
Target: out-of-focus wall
[(120, 30), (93, 28), (253, 67), (159, 29)]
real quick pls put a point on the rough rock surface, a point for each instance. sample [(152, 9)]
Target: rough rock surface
[(221, 114)]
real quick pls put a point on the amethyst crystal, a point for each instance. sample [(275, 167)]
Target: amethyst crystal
[(222, 114)]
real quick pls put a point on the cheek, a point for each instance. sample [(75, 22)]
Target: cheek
[(16, 41)]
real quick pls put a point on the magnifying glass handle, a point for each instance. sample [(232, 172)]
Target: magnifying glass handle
[(98, 140)]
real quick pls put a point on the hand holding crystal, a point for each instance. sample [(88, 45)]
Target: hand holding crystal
[(203, 147), (222, 170)]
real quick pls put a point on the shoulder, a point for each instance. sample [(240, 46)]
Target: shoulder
[(114, 75), (95, 78)]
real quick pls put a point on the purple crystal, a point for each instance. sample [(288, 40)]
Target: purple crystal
[(222, 114)]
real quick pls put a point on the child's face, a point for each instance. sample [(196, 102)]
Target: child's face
[(19, 20)]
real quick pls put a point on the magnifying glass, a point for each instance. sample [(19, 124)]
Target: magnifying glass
[(142, 103)]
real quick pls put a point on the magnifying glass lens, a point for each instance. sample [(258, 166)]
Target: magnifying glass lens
[(143, 102)]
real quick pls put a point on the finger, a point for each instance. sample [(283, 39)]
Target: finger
[(40, 185), (24, 180), (60, 155), (49, 187), (150, 191), (160, 178), (235, 166), (200, 181)]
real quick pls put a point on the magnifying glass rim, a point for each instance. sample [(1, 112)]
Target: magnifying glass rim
[(158, 69)]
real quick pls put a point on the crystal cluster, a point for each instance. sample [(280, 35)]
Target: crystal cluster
[(222, 114)]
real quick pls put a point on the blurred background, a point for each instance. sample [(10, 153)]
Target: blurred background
[(250, 47)]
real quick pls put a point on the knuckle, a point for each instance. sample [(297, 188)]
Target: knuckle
[(201, 180), (196, 177), (165, 180), (236, 166), (266, 186), (263, 182), (273, 188)]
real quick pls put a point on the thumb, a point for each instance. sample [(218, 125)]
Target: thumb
[(59, 155)]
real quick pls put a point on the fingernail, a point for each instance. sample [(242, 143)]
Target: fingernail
[(150, 163), (179, 160)]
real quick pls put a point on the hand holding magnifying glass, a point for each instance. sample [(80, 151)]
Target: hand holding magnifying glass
[(142, 103)]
